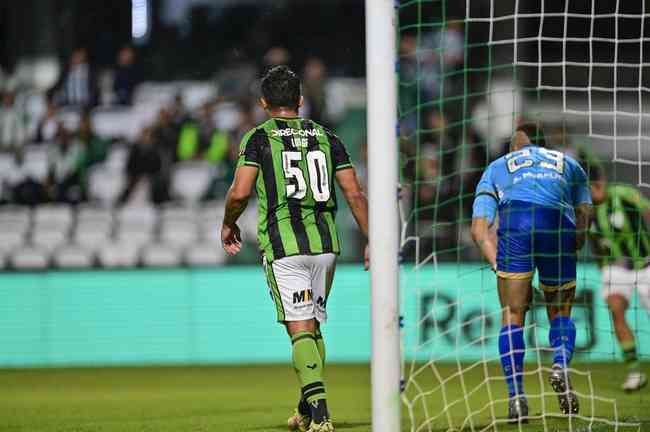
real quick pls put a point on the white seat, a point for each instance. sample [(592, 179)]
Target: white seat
[(117, 157), (112, 123), (179, 213), (73, 256), (190, 180), (49, 239), (178, 232), (30, 258), (15, 213), (211, 214), (7, 163), (93, 233), (11, 240), (196, 94), (161, 255), (134, 235), (14, 226), (58, 216), (137, 215), (105, 185), (115, 254), (205, 254), (36, 163), (94, 214)]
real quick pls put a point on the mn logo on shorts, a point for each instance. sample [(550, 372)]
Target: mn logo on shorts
[(303, 296)]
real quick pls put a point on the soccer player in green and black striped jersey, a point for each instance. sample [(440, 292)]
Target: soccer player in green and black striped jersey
[(621, 241), (292, 163)]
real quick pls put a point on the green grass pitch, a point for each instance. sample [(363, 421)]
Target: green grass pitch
[(248, 398)]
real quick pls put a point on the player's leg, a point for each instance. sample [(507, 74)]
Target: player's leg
[(618, 289), (515, 272), (556, 262), (514, 295), (322, 268), (562, 333), (289, 279)]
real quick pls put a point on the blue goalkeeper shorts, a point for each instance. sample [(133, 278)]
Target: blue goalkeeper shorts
[(535, 237)]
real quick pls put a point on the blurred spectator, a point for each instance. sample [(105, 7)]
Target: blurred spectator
[(77, 86), (436, 133), (247, 121), (24, 188), (166, 133), (236, 78), (408, 90), (313, 90), (66, 164), (275, 56), (202, 139), (177, 112), (48, 125), (435, 68), (127, 76), (13, 124), (95, 147), (145, 179)]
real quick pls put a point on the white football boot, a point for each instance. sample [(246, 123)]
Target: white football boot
[(635, 381)]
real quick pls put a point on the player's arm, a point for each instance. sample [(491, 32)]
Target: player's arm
[(485, 240), (582, 205), (354, 195), (483, 214), (583, 218), (346, 177), (236, 202), (356, 198), (240, 191)]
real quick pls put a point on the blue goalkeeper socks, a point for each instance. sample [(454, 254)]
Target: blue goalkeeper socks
[(562, 338), (511, 348)]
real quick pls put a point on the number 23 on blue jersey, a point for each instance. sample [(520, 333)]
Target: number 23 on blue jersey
[(523, 159)]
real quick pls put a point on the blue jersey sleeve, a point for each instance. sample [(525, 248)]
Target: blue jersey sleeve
[(581, 189), (486, 200)]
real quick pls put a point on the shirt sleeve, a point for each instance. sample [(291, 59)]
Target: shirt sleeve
[(581, 189), (486, 200), (340, 156), (249, 149)]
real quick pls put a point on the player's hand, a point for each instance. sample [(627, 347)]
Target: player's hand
[(231, 239), (366, 258), (581, 238)]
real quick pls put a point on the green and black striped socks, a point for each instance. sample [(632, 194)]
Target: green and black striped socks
[(308, 364), (629, 355), (320, 344)]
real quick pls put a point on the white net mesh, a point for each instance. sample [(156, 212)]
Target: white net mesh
[(576, 65)]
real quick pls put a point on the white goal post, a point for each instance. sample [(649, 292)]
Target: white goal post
[(384, 221)]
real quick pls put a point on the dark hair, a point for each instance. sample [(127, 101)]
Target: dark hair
[(281, 88), (534, 132)]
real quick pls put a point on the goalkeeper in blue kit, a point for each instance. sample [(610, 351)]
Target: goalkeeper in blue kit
[(543, 202)]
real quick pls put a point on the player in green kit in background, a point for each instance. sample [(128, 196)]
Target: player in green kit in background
[(621, 241), (292, 163)]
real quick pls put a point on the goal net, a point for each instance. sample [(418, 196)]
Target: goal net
[(469, 72)]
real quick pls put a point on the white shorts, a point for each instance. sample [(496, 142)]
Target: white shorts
[(622, 281), (300, 285)]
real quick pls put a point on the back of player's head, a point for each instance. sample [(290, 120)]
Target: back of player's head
[(281, 88), (534, 132)]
